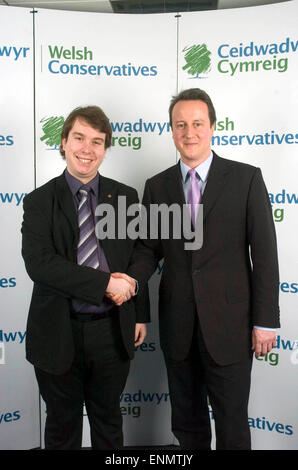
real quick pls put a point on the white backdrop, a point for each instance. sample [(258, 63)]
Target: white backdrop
[(255, 108), (19, 402), (133, 103), (246, 60)]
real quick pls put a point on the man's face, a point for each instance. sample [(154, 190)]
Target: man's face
[(192, 131), (84, 150)]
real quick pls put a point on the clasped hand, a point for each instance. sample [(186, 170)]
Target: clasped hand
[(121, 288), (263, 341)]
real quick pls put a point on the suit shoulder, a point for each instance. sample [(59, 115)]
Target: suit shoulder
[(237, 166), (45, 189), (163, 174), (243, 174), (122, 188)]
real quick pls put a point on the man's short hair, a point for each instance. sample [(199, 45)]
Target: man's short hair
[(194, 94), (94, 116)]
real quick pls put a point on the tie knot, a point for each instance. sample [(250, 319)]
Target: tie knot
[(192, 173), (84, 191)]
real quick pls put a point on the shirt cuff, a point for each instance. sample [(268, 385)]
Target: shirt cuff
[(137, 286), (264, 328)]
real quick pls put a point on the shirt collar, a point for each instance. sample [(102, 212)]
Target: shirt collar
[(202, 169), (75, 184)]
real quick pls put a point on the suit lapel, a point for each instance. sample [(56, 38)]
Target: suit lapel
[(217, 177), (107, 191), (216, 182), (65, 200), (108, 195), (174, 185), (176, 195), (219, 170)]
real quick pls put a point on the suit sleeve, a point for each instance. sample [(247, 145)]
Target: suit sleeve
[(262, 240), (48, 269), (148, 251), (141, 300)]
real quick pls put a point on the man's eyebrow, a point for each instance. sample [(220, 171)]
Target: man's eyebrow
[(195, 120), (77, 133), (82, 135)]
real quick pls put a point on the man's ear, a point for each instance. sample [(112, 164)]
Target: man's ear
[(63, 142)]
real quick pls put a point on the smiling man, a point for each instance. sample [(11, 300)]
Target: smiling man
[(219, 302), (84, 149), (78, 340)]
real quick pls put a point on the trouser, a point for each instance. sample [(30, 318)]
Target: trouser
[(195, 379), (97, 378)]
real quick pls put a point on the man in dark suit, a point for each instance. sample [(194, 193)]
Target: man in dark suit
[(219, 302), (79, 341)]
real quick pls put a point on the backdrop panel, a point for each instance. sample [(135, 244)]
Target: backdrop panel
[(249, 67), (116, 62), (246, 60), (19, 410)]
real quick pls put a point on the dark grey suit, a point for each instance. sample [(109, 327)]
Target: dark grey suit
[(214, 292)]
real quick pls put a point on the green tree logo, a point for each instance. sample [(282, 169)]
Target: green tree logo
[(52, 128), (198, 60)]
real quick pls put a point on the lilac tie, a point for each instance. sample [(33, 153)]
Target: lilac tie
[(194, 195)]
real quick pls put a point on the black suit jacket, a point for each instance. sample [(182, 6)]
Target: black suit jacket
[(50, 237), (232, 281)]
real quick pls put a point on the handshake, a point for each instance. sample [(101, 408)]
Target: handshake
[(120, 288)]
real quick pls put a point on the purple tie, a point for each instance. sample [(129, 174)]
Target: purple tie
[(194, 195), (87, 246), (89, 253)]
